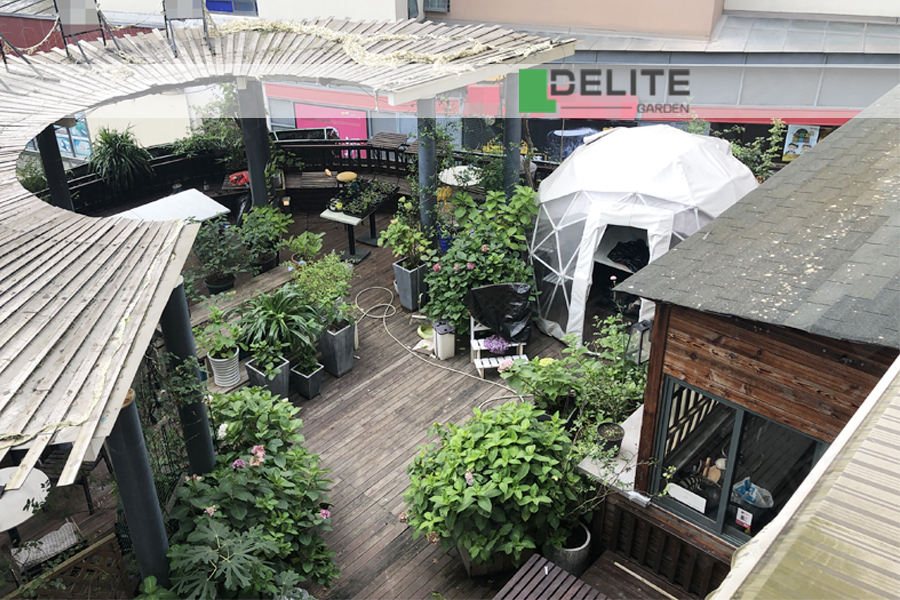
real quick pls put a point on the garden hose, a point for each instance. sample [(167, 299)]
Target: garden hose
[(390, 310)]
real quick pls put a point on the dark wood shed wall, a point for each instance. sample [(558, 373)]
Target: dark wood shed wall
[(811, 383)]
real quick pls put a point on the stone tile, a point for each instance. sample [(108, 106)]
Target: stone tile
[(685, 46), (804, 41), (883, 29), (732, 21), (878, 44), (645, 45), (766, 40), (611, 43), (843, 42), (769, 23), (846, 27), (808, 25)]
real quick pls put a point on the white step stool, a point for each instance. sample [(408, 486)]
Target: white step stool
[(476, 346), (492, 362)]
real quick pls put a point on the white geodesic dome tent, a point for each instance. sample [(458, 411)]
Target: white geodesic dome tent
[(657, 183)]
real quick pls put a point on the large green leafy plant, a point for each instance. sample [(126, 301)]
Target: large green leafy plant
[(478, 256), (220, 251), (119, 159), (262, 230), (502, 483), (324, 284), (253, 525), (510, 216), (405, 236), (281, 319)]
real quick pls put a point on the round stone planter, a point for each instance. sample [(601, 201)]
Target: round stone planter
[(217, 286), (575, 552)]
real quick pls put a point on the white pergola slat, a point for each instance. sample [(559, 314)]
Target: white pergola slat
[(81, 296)]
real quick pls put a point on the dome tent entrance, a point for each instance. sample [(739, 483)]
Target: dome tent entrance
[(655, 182)]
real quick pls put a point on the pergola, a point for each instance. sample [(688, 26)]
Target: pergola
[(80, 297)]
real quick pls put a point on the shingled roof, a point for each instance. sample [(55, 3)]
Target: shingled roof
[(815, 248)]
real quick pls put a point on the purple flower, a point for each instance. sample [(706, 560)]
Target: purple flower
[(496, 344), (324, 514), (470, 266), (239, 464)]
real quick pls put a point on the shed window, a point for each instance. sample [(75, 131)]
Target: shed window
[(724, 467)]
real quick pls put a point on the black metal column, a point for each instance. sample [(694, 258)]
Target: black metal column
[(512, 134), (256, 138), (54, 170), (427, 160), (176, 328), (135, 482)]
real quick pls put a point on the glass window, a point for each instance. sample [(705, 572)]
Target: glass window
[(244, 7), (724, 467)]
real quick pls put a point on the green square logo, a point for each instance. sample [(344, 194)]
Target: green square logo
[(533, 92)]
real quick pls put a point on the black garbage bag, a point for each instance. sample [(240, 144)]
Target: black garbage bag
[(505, 308), (634, 254)]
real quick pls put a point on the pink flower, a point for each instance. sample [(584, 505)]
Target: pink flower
[(256, 461), (238, 464), (258, 450), (210, 510), (506, 364), (470, 266), (613, 279), (485, 248), (436, 267), (324, 514), (196, 477), (456, 267)]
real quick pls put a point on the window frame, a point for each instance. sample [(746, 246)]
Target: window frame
[(719, 527)]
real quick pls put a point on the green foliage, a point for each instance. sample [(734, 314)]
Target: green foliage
[(511, 217), (119, 159), (151, 590), (267, 357), (306, 246), (220, 337), (363, 198), (478, 256), (219, 249), (30, 173), (221, 136), (760, 154), (279, 161), (282, 319), (607, 386), (181, 383), (405, 236), (323, 284), (499, 484), (262, 229), (252, 527)]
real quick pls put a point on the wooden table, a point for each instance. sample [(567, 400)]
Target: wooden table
[(17, 506), (540, 579), (370, 238)]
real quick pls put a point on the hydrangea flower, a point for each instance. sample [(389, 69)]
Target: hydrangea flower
[(506, 364), (545, 361), (223, 428), (436, 267), (470, 266), (239, 464), (470, 480), (210, 510), (485, 247), (496, 344), (456, 267), (325, 514)]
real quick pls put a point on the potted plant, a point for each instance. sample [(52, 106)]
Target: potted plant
[(219, 339), (119, 159), (220, 253), (410, 244), (304, 247), (495, 509), (324, 283), (610, 436), (269, 369), (307, 372), (261, 232)]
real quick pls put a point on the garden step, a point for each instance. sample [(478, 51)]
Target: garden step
[(492, 362)]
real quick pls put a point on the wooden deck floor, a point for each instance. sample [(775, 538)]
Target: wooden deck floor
[(366, 427)]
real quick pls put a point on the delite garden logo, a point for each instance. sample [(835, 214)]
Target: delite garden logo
[(602, 91)]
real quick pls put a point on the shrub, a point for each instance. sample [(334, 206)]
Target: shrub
[(119, 159), (405, 236), (479, 256), (499, 484), (260, 510), (219, 249), (262, 229)]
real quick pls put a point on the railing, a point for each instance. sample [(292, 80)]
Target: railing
[(98, 571)]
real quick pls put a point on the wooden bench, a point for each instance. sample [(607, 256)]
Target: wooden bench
[(540, 579)]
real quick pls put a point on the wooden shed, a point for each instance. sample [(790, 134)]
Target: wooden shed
[(773, 324)]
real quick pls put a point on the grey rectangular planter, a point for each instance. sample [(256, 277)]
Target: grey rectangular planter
[(410, 285), (310, 385), (279, 386), (337, 350)]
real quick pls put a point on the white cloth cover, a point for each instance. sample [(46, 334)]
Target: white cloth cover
[(658, 179)]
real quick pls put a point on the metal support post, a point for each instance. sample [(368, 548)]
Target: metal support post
[(176, 328), (256, 138), (138, 492), (427, 160), (54, 170), (512, 135)]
